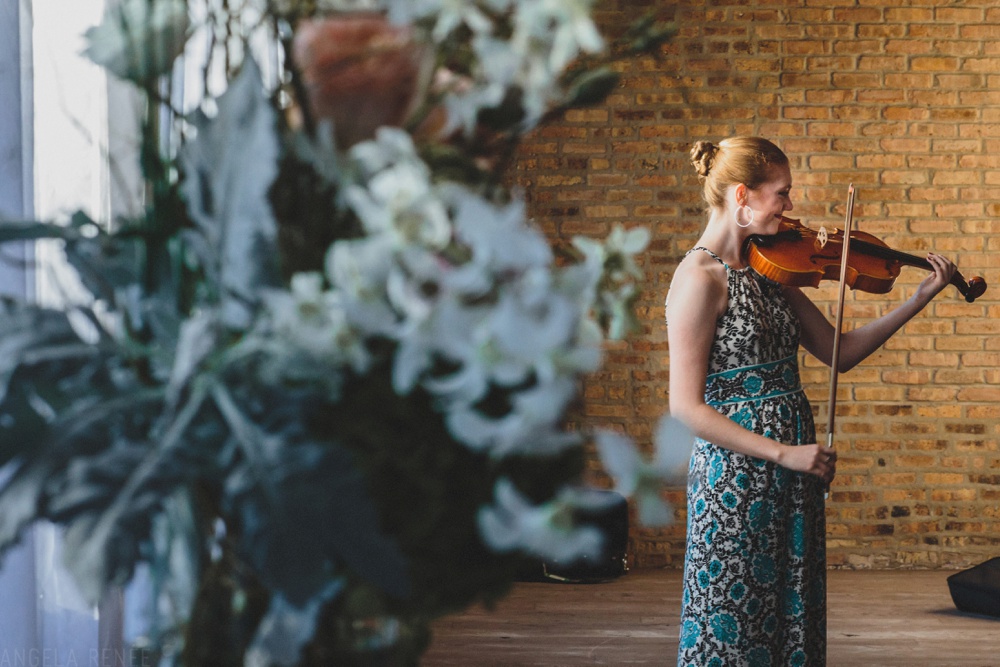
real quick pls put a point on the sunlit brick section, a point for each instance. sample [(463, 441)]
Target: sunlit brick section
[(899, 98)]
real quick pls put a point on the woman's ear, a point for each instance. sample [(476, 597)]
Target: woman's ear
[(741, 192)]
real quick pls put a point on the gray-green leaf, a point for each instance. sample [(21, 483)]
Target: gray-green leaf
[(228, 169)]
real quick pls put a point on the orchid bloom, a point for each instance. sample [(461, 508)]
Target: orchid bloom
[(644, 480), (546, 530), (139, 40)]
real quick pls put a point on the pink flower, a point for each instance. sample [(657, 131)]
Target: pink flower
[(361, 72)]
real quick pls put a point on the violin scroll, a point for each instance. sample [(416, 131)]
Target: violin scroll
[(971, 290)]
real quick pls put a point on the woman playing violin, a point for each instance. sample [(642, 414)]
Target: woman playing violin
[(755, 565)]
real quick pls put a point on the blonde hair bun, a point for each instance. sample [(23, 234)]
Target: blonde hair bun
[(702, 157)]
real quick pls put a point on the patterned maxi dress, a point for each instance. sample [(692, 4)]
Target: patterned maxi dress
[(755, 568)]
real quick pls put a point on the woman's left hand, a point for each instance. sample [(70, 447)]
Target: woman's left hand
[(939, 278)]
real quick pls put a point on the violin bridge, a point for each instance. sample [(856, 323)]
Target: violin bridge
[(822, 237)]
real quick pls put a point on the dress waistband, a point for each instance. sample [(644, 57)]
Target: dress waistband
[(753, 383)]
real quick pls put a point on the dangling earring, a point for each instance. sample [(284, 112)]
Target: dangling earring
[(737, 216)]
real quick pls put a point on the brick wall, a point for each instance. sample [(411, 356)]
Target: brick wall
[(900, 97)]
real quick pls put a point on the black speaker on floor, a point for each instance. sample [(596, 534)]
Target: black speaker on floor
[(977, 590)]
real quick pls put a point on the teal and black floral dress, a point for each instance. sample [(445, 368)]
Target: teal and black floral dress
[(755, 566)]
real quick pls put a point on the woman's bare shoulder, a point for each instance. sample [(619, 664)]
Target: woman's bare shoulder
[(699, 279)]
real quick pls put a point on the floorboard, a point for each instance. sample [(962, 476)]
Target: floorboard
[(875, 619)]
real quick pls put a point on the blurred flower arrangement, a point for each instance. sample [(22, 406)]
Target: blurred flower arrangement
[(321, 394)]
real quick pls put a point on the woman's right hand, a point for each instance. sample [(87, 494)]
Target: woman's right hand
[(812, 459)]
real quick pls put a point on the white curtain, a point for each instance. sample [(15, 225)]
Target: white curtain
[(54, 143), (68, 142)]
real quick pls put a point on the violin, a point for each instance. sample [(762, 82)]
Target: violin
[(799, 256)]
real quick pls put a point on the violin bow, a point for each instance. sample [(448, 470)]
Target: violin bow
[(835, 359)]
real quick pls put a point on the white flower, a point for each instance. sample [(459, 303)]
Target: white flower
[(304, 316), (529, 335), (544, 37), (617, 306), (414, 283), (497, 319), (456, 332), (309, 332), (532, 426), (613, 265), (437, 323), (463, 108), (401, 202), (507, 64), (399, 198), (360, 267), (139, 40), (617, 253), (500, 237), (622, 246), (390, 146), (547, 530), (358, 270), (500, 63), (579, 283), (565, 24), (642, 480), (448, 14)]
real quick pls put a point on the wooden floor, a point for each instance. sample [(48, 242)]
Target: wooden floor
[(875, 619)]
